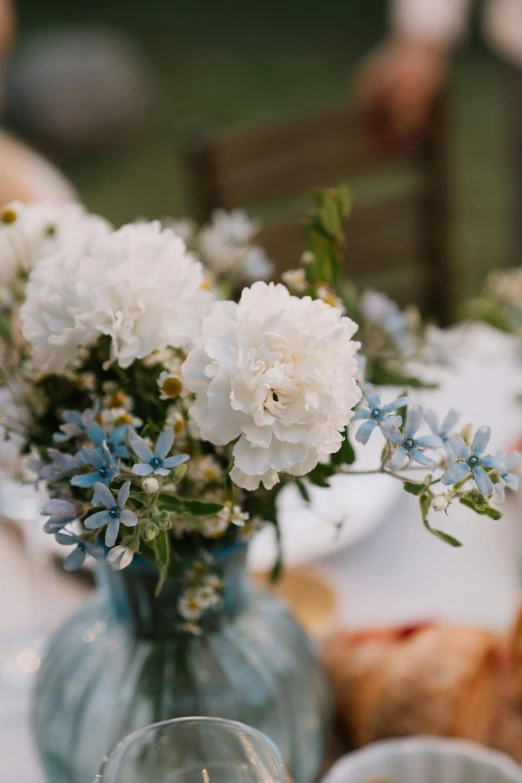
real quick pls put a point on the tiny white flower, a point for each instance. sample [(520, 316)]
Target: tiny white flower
[(189, 606), (120, 557), (440, 503), (217, 525), (307, 257), (327, 295), (169, 384), (295, 279), (226, 246), (205, 470), (151, 485)]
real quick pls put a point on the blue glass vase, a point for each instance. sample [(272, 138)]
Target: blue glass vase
[(121, 663)]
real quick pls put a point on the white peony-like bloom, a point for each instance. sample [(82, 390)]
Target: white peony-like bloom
[(277, 373), (137, 285), (29, 232)]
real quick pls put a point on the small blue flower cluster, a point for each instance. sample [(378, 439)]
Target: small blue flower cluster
[(465, 461), (95, 467)]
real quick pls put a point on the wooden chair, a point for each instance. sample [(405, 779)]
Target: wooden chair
[(397, 240)]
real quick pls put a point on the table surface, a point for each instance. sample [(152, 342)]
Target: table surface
[(399, 573)]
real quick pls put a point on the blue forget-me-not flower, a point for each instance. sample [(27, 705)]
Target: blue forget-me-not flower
[(376, 414), (60, 513), (114, 514), (507, 479), (156, 462), (471, 460), (76, 558), (102, 462), (444, 429), (408, 444)]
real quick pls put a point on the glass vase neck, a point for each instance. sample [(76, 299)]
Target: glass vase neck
[(132, 594)]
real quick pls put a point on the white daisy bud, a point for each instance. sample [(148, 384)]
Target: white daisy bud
[(151, 485), (440, 503)]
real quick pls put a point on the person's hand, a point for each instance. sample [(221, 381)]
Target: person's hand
[(396, 89)]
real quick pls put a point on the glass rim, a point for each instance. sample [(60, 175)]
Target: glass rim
[(231, 724)]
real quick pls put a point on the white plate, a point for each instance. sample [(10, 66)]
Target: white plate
[(425, 760)]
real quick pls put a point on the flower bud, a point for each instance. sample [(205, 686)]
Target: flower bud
[(466, 433), (440, 503), (164, 520), (151, 485), (151, 531)]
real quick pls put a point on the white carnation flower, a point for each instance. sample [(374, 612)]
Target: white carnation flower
[(137, 285), (29, 232), (277, 373)]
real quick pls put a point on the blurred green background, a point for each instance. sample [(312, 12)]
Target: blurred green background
[(220, 63)]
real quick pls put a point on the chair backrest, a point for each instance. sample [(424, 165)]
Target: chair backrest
[(397, 235)]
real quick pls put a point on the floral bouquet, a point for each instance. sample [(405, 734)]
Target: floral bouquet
[(166, 418)]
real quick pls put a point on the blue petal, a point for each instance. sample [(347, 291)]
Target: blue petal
[(85, 480), (118, 434), (429, 442), (450, 421), (361, 413), (400, 402), (397, 459), (164, 443), (104, 495), (458, 445), (66, 539), (93, 457), (481, 440), (432, 419), (374, 400), (123, 494), (455, 473), (54, 524), (161, 471), (422, 459), (413, 421), (111, 534), (492, 462), (391, 432), (121, 452), (75, 559), (129, 518), (500, 492), (98, 552), (512, 481), (97, 520), (95, 433), (142, 469), (513, 459), (140, 448), (58, 507), (174, 462), (483, 481), (365, 430)]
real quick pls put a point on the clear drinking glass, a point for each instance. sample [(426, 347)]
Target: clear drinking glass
[(194, 750)]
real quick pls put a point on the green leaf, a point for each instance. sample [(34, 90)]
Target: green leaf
[(413, 488), (161, 557), (346, 454), (477, 503), (303, 491), (277, 569), (197, 508), (320, 475)]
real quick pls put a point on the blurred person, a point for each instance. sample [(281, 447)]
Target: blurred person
[(24, 175), (401, 79)]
